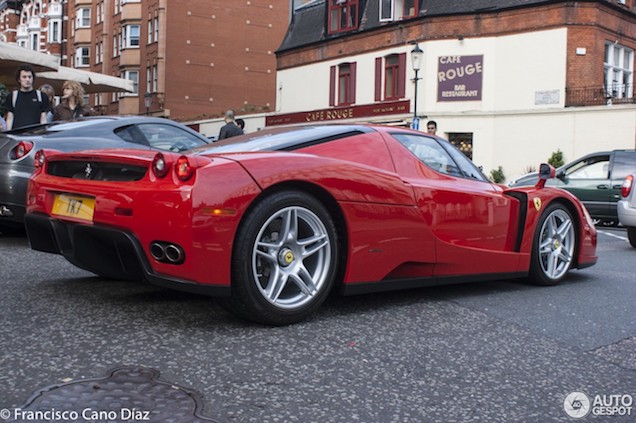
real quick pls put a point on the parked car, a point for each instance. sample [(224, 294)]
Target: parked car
[(627, 208), (275, 220), (595, 179), (18, 147)]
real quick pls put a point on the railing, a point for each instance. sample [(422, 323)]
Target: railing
[(599, 95)]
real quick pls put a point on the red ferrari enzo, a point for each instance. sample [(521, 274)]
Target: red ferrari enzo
[(273, 221)]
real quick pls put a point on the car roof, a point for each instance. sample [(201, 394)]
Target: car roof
[(97, 123), (286, 138)]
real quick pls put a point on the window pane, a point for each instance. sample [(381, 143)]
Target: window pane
[(429, 152), (386, 9)]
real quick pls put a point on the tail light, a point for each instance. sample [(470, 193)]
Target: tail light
[(160, 166), (627, 186), (22, 149), (183, 169), (38, 160)]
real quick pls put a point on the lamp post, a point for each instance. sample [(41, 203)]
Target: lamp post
[(416, 60), (147, 102)]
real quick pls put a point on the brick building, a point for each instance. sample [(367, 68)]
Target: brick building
[(508, 81), (187, 58)]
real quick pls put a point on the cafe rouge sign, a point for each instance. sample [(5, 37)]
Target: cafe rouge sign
[(340, 113), (459, 78)]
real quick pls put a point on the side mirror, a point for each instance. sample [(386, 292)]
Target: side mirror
[(546, 172)]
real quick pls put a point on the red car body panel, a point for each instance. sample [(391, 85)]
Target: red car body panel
[(402, 220)]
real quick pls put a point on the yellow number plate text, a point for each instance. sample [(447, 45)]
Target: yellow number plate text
[(74, 206)]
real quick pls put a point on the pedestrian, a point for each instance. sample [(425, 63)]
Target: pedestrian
[(431, 127), (230, 129), (25, 106), (241, 124), (50, 92), (72, 105)]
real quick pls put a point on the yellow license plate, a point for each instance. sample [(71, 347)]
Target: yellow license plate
[(75, 206)]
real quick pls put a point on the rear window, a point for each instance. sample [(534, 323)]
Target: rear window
[(282, 139), (624, 164), (55, 127)]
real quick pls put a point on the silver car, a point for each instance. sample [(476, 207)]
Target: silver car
[(627, 208), (18, 148)]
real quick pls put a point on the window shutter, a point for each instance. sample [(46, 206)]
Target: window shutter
[(332, 86), (401, 75), (378, 78), (352, 88)]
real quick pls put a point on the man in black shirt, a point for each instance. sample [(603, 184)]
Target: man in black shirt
[(25, 106), (230, 129)]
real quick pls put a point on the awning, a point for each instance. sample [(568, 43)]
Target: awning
[(12, 56), (92, 82)]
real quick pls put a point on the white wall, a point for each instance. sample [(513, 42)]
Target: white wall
[(518, 140), (508, 128), (515, 67)]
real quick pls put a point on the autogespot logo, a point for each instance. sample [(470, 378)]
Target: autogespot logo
[(577, 405)]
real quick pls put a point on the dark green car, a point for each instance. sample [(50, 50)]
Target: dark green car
[(595, 179)]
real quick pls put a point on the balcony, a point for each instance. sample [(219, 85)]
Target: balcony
[(129, 57), (131, 12), (82, 36), (600, 95)]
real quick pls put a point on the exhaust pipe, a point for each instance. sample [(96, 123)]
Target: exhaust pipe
[(158, 251), (174, 253), (165, 252)]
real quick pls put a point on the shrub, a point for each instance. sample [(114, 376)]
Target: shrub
[(497, 175), (556, 159)]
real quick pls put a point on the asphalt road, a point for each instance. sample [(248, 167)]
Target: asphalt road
[(486, 352)]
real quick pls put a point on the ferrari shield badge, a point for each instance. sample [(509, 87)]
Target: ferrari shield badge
[(537, 203)]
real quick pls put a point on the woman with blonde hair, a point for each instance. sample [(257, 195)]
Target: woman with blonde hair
[(72, 105)]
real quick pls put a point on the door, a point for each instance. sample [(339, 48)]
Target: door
[(589, 180), (473, 222)]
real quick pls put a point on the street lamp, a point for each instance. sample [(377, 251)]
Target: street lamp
[(147, 102), (416, 60)]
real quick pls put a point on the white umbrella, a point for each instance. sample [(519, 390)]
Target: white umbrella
[(92, 82), (12, 56)]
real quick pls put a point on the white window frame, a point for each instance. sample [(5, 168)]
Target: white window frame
[(55, 31), (619, 70), (82, 57), (150, 32), (83, 17), (128, 38), (132, 75), (148, 80), (115, 46), (384, 3), (156, 25), (34, 41), (155, 78)]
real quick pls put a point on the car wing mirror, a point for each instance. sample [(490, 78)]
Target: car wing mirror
[(546, 172)]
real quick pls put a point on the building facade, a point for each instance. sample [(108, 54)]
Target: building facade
[(188, 59), (509, 82)]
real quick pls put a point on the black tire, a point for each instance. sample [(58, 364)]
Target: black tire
[(554, 246), (631, 236), (285, 259)]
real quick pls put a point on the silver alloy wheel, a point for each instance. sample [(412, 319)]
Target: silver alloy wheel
[(291, 257), (556, 244)]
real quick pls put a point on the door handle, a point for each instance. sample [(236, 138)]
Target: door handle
[(602, 186)]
